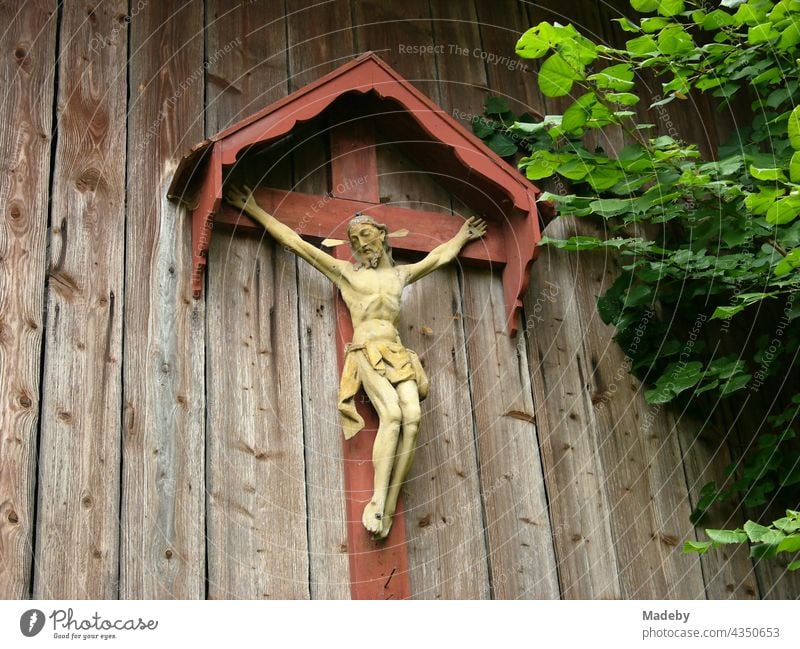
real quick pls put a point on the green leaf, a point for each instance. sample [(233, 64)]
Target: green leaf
[(575, 169), (755, 532), (556, 77), (790, 37), (766, 174), (579, 242), (626, 25), (654, 24), (784, 210), (608, 207), (761, 202), (578, 113), (616, 77), (725, 312), (670, 8), (727, 536), (622, 98), (481, 127), (540, 164), (604, 177), (734, 384), (763, 550), (642, 46), (790, 544), (793, 127), (713, 20), (794, 565), (496, 106), (706, 83), (761, 33), (501, 144), (701, 547), (532, 44), (787, 525), (788, 263), (794, 167), (674, 40), (645, 6), (675, 379)]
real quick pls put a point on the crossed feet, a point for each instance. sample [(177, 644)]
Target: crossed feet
[(376, 520)]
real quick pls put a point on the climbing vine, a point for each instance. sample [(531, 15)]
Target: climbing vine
[(707, 245)]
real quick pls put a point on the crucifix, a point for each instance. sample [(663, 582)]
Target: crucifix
[(376, 359), (360, 98)]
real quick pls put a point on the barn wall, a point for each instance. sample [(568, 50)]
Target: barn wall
[(157, 446)]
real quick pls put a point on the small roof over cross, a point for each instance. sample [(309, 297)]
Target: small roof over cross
[(358, 96)]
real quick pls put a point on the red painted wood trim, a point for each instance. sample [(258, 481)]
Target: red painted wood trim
[(522, 237), (378, 569), (372, 74), (320, 217), (354, 160), (203, 218)]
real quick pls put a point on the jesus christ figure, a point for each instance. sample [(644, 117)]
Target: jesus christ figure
[(376, 359)]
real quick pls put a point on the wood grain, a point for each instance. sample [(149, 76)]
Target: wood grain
[(257, 543), (27, 45), (727, 572), (79, 462), (647, 491), (460, 69), (567, 428), (327, 524), (320, 37), (163, 468), (502, 22), (520, 537)]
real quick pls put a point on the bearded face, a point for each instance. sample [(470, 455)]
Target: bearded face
[(367, 242)]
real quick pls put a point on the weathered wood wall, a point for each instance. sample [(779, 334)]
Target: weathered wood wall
[(157, 446)]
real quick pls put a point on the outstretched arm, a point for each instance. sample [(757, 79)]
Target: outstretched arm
[(244, 200), (473, 228)]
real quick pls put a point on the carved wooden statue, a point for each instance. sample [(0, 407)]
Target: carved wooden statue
[(376, 359)]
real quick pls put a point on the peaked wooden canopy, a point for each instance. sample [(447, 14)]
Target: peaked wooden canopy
[(367, 89)]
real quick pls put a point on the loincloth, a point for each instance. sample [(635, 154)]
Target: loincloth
[(389, 359)]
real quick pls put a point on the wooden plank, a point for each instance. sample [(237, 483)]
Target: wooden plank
[(354, 174), (521, 556), (327, 527), (384, 27), (502, 22), (459, 62), (320, 37), (646, 485), (727, 571), (28, 46), (567, 428), (163, 513), (77, 550), (257, 544), (447, 549), (444, 522)]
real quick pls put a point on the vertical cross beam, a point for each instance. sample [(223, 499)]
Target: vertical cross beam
[(378, 569)]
